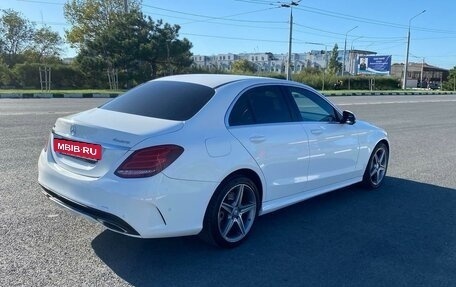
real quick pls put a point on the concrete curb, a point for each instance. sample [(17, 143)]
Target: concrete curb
[(55, 96), (379, 93)]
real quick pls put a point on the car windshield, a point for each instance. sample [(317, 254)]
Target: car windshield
[(169, 100)]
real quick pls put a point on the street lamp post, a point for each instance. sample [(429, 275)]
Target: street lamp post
[(345, 48), (352, 61), (404, 82), (290, 5), (421, 74), (326, 61), (326, 66)]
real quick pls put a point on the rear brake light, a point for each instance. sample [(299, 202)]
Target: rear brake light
[(149, 161)]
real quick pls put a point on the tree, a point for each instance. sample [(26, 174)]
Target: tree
[(119, 48), (90, 17), (46, 44), (450, 83), (16, 35), (137, 48), (167, 54), (243, 66), (6, 75), (334, 65)]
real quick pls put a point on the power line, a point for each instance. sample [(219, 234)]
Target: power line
[(225, 18), (342, 34), (240, 20), (256, 2), (42, 2), (234, 15), (348, 17), (369, 21), (212, 21), (356, 18), (234, 38)]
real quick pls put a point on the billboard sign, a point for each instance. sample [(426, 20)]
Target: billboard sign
[(380, 65)]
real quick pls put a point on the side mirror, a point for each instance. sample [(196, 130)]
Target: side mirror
[(348, 118)]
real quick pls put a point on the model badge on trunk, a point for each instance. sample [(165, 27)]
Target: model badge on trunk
[(73, 130)]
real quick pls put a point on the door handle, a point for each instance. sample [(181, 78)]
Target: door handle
[(316, 131), (257, 139)]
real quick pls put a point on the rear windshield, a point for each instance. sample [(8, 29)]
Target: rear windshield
[(169, 100)]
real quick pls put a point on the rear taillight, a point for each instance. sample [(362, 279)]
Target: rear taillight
[(149, 161)]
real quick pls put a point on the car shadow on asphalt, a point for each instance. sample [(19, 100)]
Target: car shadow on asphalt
[(402, 234)]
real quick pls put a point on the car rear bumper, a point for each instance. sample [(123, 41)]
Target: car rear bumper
[(153, 207), (109, 220)]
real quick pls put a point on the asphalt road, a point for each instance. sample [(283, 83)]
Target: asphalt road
[(403, 234)]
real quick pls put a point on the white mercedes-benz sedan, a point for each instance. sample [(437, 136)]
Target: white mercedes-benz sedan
[(206, 154)]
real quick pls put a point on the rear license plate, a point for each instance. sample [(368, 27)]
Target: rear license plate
[(78, 149)]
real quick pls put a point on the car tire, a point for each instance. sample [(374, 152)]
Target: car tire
[(377, 166), (231, 212)]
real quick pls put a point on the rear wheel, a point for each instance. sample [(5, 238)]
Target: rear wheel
[(231, 212), (376, 167)]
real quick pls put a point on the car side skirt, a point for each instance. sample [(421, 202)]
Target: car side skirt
[(280, 203)]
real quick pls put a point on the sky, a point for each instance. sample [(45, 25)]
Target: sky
[(248, 26)]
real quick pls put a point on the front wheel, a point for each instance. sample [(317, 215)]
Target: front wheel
[(376, 167), (231, 212)]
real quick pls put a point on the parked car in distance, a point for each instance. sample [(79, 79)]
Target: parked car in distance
[(206, 154)]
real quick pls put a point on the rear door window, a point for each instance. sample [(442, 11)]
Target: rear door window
[(260, 105)]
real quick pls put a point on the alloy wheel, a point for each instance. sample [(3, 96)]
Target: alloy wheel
[(378, 166), (237, 212)]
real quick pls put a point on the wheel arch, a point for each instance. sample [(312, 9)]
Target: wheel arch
[(206, 232), (385, 141), (367, 178), (249, 173), (252, 175)]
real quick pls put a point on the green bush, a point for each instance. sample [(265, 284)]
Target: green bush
[(449, 85), (63, 76), (67, 77), (315, 80), (27, 75), (6, 76)]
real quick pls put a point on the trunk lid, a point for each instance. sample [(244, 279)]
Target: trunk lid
[(116, 132)]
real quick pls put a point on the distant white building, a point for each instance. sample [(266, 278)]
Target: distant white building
[(265, 62), (68, 60), (201, 61)]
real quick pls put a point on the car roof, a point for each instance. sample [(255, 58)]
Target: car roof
[(210, 80)]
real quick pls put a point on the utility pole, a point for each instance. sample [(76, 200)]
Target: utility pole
[(345, 48), (126, 6), (326, 66), (404, 82), (421, 74), (289, 46), (290, 5)]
